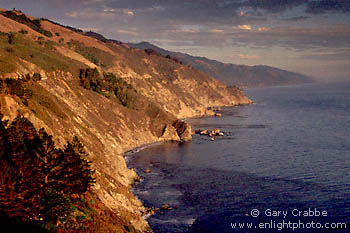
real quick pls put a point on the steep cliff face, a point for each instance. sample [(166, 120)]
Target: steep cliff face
[(135, 99)]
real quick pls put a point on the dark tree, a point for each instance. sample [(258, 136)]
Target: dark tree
[(90, 79), (10, 38), (37, 180)]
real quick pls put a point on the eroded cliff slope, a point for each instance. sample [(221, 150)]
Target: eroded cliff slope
[(113, 97)]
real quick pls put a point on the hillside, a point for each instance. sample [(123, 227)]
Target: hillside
[(230, 74), (111, 97)]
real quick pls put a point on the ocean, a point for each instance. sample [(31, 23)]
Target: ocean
[(283, 166)]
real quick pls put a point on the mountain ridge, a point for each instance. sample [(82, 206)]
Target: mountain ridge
[(231, 74)]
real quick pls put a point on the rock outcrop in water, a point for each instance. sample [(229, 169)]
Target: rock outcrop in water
[(183, 130), (112, 97)]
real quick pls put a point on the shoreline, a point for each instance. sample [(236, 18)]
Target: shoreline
[(290, 184), (128, 156)]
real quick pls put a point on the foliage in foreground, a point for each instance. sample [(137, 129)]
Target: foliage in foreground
[(39, 183)]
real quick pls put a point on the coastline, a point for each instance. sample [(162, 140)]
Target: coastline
[(274, 183), (147, 212)]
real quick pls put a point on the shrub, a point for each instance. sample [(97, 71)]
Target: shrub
[(9, 50), (10, 37), (110, 85), (90, 79), (47, 33), (36, 77), (22, 18), (24, 32), (152, 52), (14, 87), (92, 54)]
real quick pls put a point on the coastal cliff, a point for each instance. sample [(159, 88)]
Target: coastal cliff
[(112, 97)]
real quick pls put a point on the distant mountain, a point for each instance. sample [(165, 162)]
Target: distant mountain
[(230, 74)]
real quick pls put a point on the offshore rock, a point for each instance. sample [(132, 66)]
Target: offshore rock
[(183, 130), (166, 207), (204, 132), (215, 131)]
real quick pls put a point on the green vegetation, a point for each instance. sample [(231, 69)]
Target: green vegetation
[(10, 38), (118, 90), (125, 93), (32, 95), (110, 86), (24, 32), (96, 56), (9, 50), (41, 52), (155, 53), (39, 183), (42, 103), (35, 77), (23, 19), (15, 87)]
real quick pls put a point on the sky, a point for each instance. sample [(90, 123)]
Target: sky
[(307, 36)]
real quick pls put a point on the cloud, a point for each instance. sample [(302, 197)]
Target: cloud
[(245, 27), (273, 5), (323, 6), (128, 12), (263, 29), (90, 13), (338, 55), (296, 38), (184, 31), (127, 32), (216, 30), (90, 29), (242, 13), (103, 13), (248, 57), (296, 18), (109, 10), (260, 26)]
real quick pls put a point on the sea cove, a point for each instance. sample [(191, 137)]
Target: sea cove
[(289, 152)]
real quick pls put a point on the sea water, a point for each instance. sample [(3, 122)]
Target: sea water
[(283, 166)]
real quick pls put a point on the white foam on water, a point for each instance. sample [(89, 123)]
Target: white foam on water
[(189, 221), (174, 193)]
